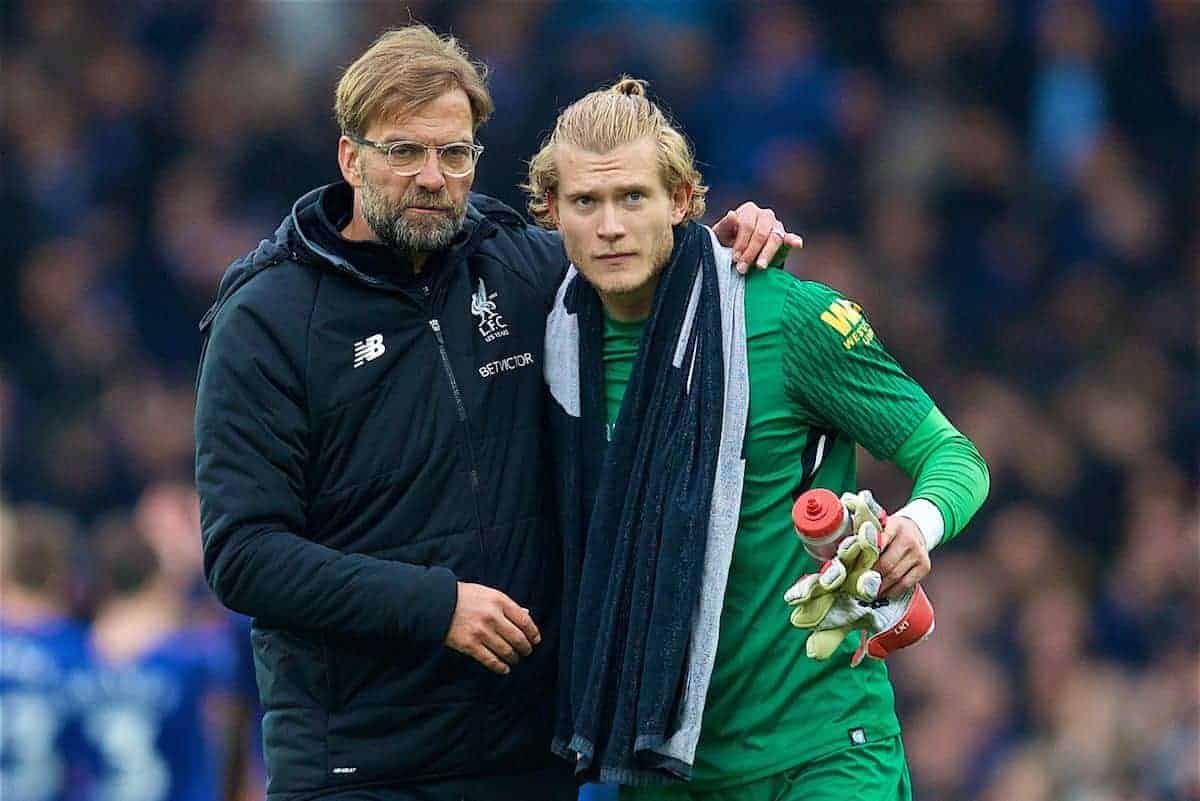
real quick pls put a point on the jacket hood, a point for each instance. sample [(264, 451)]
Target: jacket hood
[(291, 242), (268, 253)]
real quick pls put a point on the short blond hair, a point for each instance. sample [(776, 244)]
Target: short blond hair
[(403, 70), (607, 119)]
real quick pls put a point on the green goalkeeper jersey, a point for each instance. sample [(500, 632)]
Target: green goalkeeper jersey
[(820, 382)]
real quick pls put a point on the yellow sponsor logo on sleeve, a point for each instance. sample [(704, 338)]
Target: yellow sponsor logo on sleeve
[(845, 317)]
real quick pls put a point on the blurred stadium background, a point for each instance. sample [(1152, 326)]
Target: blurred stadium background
[(1011, 188)]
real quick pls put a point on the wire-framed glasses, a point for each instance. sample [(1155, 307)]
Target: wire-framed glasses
[(456, 159)]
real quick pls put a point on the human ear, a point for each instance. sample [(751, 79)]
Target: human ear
[(349, 162), (681, 201)]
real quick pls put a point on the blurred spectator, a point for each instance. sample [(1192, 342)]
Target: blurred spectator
[(154, 695), (40, 646), (1069, 107)]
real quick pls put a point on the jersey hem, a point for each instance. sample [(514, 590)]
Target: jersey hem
[(832, 745)]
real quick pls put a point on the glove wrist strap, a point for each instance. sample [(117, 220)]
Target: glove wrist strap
[(916, 624)]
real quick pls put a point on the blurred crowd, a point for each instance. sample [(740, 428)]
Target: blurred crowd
[(1011, 190)]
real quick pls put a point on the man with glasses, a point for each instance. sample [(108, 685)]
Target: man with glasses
[(407, 159), (369, 455)]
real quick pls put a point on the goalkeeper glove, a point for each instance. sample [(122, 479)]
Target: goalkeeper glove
[(843, 596), (813, 595)]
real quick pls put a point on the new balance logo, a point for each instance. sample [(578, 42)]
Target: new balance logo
[(367, 349)]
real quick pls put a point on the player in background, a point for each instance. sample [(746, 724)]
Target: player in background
[(812, 382), (40, 644), (154, 693), (168, 515)]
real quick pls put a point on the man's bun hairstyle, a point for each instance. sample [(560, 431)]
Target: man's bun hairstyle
[(602, 121), (634, 87)]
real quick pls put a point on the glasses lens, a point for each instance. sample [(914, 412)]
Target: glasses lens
[(457, 159), (406, 156)]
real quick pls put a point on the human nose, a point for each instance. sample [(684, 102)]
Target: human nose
[(610, 224), (430, 177)]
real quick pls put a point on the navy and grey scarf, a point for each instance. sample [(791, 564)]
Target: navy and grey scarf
[(637, 515)]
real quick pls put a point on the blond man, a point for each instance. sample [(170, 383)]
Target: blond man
[(369, 455), (691, 406)]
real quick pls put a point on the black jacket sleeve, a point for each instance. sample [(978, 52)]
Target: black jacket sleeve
[(252, 455)]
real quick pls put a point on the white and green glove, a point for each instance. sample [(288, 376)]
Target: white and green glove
[(813, 595), (842, 597)]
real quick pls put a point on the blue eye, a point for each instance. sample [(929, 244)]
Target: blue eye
[(583, 202), (634, 196)]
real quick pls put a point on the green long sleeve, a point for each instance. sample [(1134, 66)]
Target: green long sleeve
[(947, 470)]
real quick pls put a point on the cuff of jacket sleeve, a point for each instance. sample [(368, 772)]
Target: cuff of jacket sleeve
[(928, 518), (432, 607)]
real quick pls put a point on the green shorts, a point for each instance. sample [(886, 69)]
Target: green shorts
[(872, 772)]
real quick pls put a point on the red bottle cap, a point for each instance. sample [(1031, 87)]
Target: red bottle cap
[(817, 513)]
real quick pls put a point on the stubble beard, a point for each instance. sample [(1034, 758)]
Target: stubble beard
[(660, 254), (421, 233)]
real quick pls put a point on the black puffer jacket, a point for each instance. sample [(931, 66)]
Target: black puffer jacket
[(365, 438)]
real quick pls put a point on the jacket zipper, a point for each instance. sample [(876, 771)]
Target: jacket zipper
[(436, 325)]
